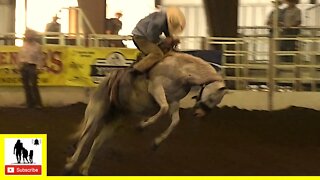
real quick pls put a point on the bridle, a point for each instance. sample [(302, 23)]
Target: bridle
[(200, 103)]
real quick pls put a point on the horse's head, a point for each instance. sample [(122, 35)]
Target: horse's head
[(209, 96)]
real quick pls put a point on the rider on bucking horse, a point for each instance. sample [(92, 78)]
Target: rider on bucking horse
[(146, 36)]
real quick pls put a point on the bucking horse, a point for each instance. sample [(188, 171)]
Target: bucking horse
[(150, 96)]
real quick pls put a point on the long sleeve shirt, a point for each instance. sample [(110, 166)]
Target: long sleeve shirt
[(152, 26), (292, 17), (31, 53)]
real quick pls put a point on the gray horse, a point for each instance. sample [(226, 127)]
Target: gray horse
[(152, 95)]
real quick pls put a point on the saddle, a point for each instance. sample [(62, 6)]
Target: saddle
[(129, 74)]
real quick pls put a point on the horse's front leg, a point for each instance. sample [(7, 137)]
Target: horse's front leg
[(156, 90), (175, 118)]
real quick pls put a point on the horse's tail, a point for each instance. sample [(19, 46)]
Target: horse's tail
[(99, 106)]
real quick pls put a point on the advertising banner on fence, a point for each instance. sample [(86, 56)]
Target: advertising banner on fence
[(67, 65), (87, 66), (9, 75), (53, 76)]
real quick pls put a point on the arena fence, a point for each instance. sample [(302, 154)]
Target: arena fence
[(257, 62), (251, 62)]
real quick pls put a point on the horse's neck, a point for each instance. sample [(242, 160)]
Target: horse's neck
[(189, 68)]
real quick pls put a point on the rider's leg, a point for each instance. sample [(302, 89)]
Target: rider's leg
[(153, 52)]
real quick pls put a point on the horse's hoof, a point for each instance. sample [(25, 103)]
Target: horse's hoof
[(140, 128), (84, 171), (155, 146), (67, 172), (68, 169), (69, 159)]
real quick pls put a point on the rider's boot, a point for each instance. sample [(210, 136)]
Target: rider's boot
[(135, 72)]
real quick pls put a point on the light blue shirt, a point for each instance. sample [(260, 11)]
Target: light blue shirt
[(152, 26)]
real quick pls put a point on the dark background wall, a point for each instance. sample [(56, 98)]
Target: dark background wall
[(222, 17), (95, 10)]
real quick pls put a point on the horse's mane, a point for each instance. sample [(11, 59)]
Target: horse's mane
[(190, 62), (188, 58)]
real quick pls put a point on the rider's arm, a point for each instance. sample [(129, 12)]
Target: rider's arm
[(156, 26)]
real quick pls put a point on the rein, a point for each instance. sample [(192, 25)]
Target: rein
[(200, 103), (201, 92)]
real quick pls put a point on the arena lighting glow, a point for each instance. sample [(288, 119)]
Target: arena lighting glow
[(36, 14), (132, 11), (20, 23), (39, 13)]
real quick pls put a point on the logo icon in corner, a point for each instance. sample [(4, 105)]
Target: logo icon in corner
[(23, 156)]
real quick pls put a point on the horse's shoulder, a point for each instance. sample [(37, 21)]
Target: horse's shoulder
[(182, 64), (185, 58), (178, 58)]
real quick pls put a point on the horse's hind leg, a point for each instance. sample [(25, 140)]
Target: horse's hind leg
[(71, 161), (175, 118), (88, 136), (156, 90), (105, 133), (74, 158)]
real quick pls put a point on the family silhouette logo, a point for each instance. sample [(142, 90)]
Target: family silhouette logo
[(23, 156)]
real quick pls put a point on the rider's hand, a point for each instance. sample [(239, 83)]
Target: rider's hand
[(175, 41), (171, 42), (168, 41)]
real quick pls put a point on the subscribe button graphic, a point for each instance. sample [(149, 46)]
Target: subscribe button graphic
[(23, 170), (24, 155)]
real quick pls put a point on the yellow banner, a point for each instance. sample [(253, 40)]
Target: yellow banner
[(54, 75), (9, 75), (87, 66), (67, 65)]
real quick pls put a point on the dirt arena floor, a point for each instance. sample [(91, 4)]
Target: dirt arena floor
[(229, 141)]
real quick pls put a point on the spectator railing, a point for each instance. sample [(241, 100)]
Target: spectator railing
[(9, 38), (101, 40), (74, 39)]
